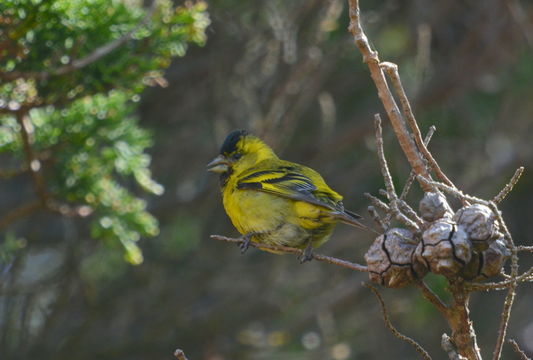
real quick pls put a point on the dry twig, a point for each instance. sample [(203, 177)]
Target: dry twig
[(412, 175), (432, 297), (377, 219), (517, 350), (370, 57), (290, 250), (509, 186), (391, 327), (389, 185)]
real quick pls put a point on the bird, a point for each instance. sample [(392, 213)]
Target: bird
[(273, 201)]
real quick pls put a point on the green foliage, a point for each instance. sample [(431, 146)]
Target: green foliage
[(10, 247), (47, 35), (82, 118)]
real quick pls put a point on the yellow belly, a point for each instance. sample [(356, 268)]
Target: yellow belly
[(277, 220)]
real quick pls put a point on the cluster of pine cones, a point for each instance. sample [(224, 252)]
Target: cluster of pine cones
[(464, 244)]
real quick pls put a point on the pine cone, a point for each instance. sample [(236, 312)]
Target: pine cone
[(390, 259)]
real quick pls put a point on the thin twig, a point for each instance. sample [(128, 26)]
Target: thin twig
[(517, 350), (389, 185), (409, 212), (387, 178), (509, 298), (370, 57), (391, 327), (77, 64), (377, 219), (432, 297), (527, 276), (509, 186), (290, 250), (454, 192), (392, 70), (377, 202), (180, 355), (412, 175), (524, 248)]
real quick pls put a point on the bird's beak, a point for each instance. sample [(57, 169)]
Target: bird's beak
[(220, 164)]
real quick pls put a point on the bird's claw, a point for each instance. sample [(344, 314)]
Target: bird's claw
[(306, 255), (245, 243)]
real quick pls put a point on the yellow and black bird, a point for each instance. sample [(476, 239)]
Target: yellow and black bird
[(273, 201)]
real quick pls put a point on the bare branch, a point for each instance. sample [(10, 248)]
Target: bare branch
[(423, 353), (290, 250), (509, 298), (377, 202), (412, 175), (389, 185), (463, 334), (370, 57), (527, 276), (509, 186), (432, 297), (392, 70), (524, 248), (454, 192), (517, 350), (377, 219), (410, 212)]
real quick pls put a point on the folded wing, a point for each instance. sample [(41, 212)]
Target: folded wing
[(300, 184)]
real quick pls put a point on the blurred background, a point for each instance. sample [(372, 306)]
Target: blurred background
[(97, 261)]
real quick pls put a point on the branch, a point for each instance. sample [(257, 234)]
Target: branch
[(392, 70), (391, 327), (432, 297), (290, 250), (377, 219), (509, 186), (509, 298), (389, 185), (524, 248), (502, 285), (517, 350), (412, 175), (96, 55), (370, 57)]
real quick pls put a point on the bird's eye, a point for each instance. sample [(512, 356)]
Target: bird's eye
[(237, 156)]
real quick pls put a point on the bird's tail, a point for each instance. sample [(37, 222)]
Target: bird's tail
[(350, 218)]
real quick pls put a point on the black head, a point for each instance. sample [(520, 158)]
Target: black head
[(230, 144)]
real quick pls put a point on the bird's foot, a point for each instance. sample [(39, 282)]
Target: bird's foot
[(245, 242), (307, 254)]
